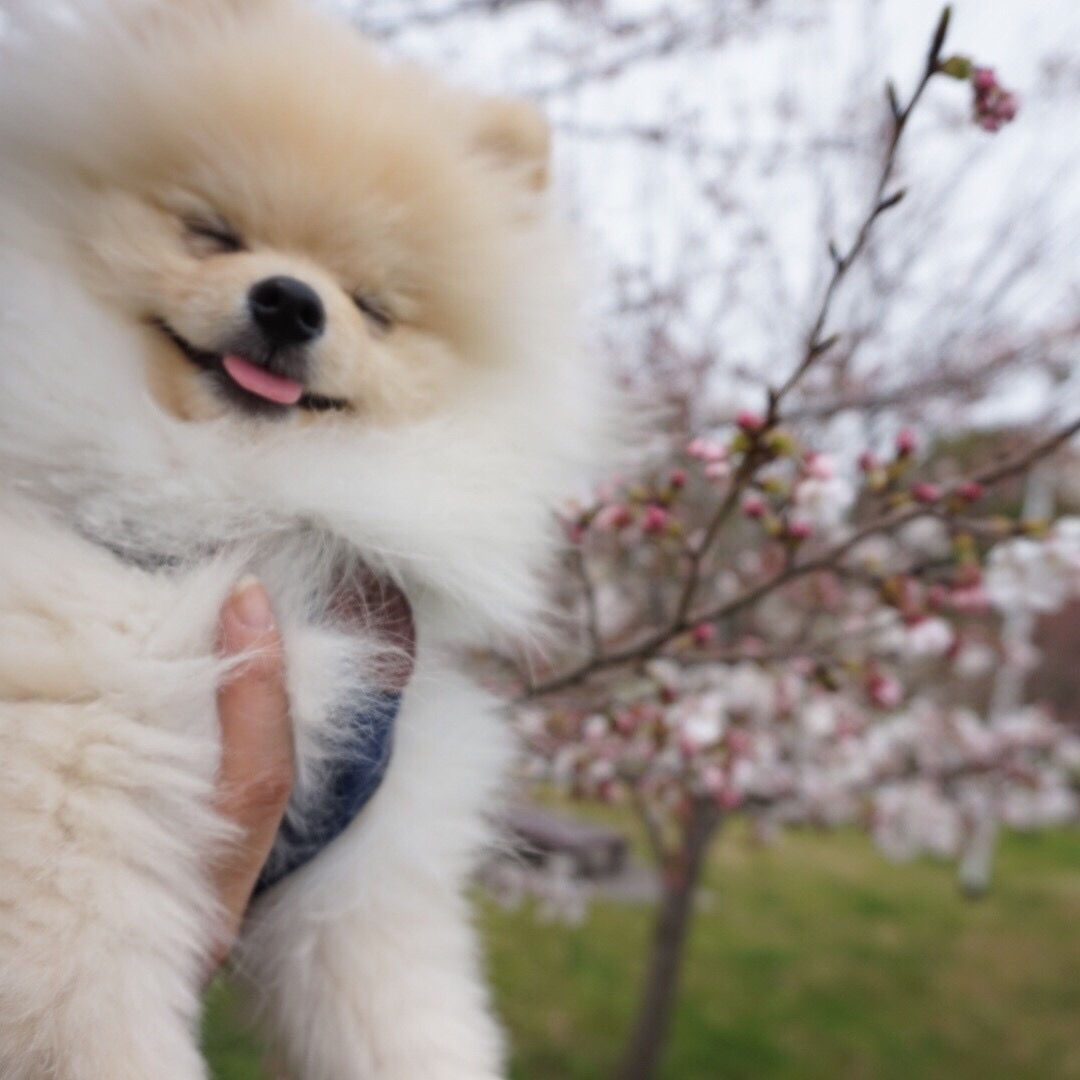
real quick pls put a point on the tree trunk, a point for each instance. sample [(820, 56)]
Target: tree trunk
[(670, 934)]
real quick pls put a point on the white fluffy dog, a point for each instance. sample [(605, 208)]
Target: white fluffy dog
[(268, 305)]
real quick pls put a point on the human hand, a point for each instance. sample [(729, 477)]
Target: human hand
[(256, 775)]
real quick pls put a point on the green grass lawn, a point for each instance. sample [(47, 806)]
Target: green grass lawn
[(811, 958)]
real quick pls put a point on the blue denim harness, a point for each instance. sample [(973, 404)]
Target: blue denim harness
[(353, 779)]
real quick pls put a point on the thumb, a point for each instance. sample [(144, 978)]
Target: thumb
[(256, 774)]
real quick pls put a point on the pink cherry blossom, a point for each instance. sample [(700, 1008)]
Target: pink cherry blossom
[(824, 501), (655, 519), (819, 466), (718, 470), (929, 637), (1032, 575), (754, 506), (707, 450)]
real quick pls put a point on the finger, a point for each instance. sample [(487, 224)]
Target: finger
[(257, 755)]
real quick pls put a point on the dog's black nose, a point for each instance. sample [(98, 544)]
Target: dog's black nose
[(287, 311)]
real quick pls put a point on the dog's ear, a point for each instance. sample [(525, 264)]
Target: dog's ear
[(517, 137)]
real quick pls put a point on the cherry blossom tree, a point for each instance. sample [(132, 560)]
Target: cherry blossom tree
[(795, 608), (771, 630)]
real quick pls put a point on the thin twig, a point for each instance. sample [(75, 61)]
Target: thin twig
[(816, 345), (696, 555), (592, 615)]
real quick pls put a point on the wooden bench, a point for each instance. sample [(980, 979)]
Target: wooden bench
[(595, 850)]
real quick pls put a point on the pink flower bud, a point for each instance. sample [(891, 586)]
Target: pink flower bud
[(800, 529), (906, 442), (718, 470), (925, 492), (677, 479), (750, 422), (994, 106), (612, 517), (754, 506), (703, 633), (655, 519), (1008, 105), (971, 491)]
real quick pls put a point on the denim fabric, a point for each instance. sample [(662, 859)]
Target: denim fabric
[(354, 778)]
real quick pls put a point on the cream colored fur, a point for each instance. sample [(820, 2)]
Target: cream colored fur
[(133, 498)]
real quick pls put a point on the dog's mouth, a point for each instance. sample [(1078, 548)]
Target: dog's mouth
[(249, 384)]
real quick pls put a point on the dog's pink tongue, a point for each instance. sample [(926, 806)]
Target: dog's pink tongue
[(259, 381)]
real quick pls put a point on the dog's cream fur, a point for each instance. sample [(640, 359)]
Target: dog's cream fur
[(134, 496)]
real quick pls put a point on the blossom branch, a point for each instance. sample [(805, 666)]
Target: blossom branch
[(684, 620), (816, 347)]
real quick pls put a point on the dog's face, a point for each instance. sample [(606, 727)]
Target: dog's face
[(299, 232), (337, 278)]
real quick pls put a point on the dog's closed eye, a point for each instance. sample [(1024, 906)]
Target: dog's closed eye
[(375, 310), (211, 234)]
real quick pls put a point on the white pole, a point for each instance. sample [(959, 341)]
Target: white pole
[(977, 860)]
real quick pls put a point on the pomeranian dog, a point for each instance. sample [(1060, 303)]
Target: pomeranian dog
[(268, 305)]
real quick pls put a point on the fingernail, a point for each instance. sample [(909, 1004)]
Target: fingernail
[(251, 605)]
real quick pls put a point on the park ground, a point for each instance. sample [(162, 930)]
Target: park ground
[(811, 958)]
